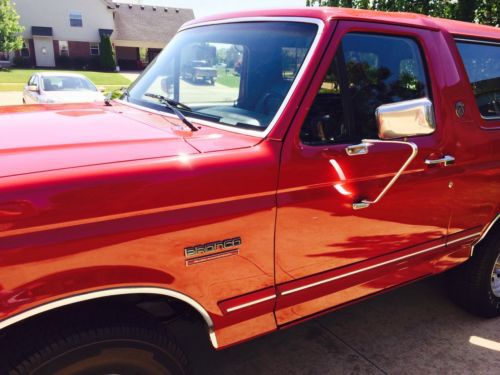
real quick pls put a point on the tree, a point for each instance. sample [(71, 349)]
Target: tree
[(483, 11), (466, 10), (488, 12), (10, 30), (107, 55)]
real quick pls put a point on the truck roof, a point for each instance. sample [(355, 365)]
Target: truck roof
[(458, 28)]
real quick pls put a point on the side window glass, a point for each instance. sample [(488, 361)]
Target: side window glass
[(33, 81), (482, 63), (368, 70), (380, 70), (325, 122)]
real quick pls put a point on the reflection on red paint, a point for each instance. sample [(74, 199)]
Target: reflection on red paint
[(341, 189)]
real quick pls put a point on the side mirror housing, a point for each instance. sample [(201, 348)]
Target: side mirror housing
[(405, 119), (33, 88)]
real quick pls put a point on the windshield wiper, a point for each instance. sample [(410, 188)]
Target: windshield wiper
[(170, 104)]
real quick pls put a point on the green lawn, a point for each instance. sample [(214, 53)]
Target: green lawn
[(15, 79), (227, 77)]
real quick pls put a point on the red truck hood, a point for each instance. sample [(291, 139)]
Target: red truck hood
[(42, 138)]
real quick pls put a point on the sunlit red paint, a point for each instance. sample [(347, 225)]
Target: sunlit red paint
[(76, 216)]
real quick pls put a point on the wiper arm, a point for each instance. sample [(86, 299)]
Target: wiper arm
[(168, 103), (172, 102)]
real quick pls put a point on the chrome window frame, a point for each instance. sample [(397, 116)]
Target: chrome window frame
[(305, 65)]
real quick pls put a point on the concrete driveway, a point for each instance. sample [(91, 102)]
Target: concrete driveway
[(412, 330), (11, 97)]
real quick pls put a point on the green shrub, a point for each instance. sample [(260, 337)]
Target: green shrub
[(79, 62), (94, 63), (107, 56), (22, 62), (63, 62)]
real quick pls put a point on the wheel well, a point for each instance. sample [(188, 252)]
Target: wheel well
[(493, 229), (159, 308)]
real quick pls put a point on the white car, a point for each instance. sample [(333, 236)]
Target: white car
[(59, 87)]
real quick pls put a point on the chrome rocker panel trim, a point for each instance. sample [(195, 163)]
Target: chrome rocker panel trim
[(114, 292), (377, 265)]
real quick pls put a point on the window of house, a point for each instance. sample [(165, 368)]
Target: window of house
[(94, 49), (367, 72), (25, 50), (75, 19), (482, 63), (63, 48)]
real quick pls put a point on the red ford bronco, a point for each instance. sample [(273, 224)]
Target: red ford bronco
[(339, 154)]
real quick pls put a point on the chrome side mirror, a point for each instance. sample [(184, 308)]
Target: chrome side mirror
[(33, 88), (405, 119)]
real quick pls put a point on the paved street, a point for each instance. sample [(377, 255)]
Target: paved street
[(412, 330), (200, 92), (10, 98), (190, 92)]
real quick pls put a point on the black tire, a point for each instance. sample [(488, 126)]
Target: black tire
[(471, 283), (108, 346)]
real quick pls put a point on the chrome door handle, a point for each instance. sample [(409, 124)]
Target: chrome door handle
[(445, 160), (359, 149)]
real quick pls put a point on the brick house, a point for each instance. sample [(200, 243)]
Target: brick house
[(57, 32)]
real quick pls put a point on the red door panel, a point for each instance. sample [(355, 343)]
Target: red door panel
[(325, 248)]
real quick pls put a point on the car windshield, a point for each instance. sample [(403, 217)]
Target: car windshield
[(235, 74), (66, 83)]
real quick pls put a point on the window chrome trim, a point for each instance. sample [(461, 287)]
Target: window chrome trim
[(114, 292), (495, 118), (484, 233), (305, 66), (477, 41)]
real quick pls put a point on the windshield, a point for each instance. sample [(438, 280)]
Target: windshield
[(64, 83), (235, 74)]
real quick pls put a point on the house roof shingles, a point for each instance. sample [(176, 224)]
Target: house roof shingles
[(148, 23)]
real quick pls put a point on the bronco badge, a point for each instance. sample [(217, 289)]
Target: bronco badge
[(212, 246)]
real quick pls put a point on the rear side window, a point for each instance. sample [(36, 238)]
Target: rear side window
[(482, 63)]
